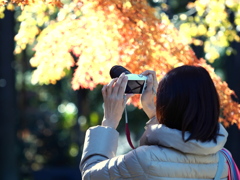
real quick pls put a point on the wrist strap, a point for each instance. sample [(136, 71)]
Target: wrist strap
[(127, 131)]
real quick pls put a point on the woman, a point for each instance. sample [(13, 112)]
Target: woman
[(182, 138)]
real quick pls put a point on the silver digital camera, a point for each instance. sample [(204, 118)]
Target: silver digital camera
[(136, 83)]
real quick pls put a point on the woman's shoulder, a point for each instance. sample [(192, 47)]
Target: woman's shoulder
[(156, 160), (140, 158), (148, 153)]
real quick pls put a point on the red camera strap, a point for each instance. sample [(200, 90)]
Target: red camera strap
[(127, 131)]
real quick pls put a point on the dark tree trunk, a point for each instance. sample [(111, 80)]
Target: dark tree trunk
[(8, 115)]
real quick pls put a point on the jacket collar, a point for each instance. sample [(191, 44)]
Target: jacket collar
[(159, 134)]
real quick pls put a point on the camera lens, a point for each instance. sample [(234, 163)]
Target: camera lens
[(117, 70)]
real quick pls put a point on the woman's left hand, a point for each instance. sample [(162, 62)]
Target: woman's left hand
[(114, 101), (149, 94)]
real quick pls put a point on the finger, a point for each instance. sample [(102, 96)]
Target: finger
[(119, 85), (124, 99), (154, 76), (153, 73), (104, 91), (109, 87), (147, 72), (149, 83), (121, 90)]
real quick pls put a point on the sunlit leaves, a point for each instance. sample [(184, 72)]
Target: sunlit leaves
[(94, 35), (33, 18), (12, 4), (3, 6), (216, 21), (57, 3)]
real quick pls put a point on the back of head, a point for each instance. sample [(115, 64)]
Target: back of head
[(187, 100)]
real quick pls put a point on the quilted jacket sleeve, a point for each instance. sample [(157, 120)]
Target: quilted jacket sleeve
[(99, 161)]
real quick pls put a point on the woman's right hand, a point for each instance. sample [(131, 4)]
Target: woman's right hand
[(114, 101), (149, 94)]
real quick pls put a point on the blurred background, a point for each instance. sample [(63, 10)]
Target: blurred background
[(42, 127)]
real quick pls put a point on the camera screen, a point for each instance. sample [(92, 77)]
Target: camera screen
[(135, 86)]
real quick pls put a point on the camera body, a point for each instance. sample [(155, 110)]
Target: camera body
[(136, 84)]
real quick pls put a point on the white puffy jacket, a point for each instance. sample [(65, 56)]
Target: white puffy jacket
[(163, 155)]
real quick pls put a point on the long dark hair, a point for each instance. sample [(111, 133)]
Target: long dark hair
[(187, 100)]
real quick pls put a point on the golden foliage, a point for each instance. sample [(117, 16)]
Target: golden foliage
[(213, 22), (33, 17), (101, 34), (57, 3), (10, 5)]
